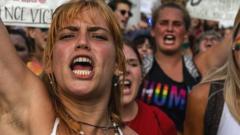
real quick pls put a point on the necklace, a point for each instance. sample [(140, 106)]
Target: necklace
[(105, 129), (76, 126)]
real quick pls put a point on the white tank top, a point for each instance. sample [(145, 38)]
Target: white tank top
[(228, 125), (56, 123), (55, 126)]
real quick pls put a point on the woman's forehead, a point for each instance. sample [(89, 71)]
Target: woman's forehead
[(85, 22), (91, 17)]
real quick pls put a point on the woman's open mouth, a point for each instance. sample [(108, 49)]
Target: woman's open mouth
[(82, 67)]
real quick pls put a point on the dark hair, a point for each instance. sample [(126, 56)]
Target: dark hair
[(113, 3), (207, 27), (186, 16), (141, 39), (23, 35), (129, 44), (181, 2)]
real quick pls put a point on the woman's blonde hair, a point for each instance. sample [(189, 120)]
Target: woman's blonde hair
[(64, 15), (230, 72)]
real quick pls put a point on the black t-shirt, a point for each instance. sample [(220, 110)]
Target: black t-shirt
[(170, 96)]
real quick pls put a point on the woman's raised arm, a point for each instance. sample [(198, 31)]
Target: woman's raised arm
[(13, 70), (25, 107)]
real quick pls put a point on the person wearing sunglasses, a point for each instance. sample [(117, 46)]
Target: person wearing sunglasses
[(214, 105), (121, 9)]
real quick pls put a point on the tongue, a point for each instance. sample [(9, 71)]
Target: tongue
[(79, 67)]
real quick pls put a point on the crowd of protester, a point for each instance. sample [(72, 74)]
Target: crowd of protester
[(169, 74)]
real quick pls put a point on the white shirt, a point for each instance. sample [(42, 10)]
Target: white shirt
[(228, 125), (55, 126)]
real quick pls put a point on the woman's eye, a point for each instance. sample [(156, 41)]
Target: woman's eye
[(177, 24), (163, 23), (133, 64), (99, 37), (66, 36)]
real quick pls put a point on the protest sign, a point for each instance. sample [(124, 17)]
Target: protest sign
[(34, 13), (218, 10)]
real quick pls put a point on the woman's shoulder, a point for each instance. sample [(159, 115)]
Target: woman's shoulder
[(162, 120), (153, 110), (146, 108), (200, 91), (196, 106), (198, 97)]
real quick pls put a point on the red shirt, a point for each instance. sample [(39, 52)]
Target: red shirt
[(151, 121)]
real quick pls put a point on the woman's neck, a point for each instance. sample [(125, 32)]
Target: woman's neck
[(129, 111), (84, 111), (170, 60)]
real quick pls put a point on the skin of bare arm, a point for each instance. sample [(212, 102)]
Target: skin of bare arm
[(25, 107), (196, 106)]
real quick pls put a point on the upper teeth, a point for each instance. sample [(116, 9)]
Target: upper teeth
[(82, 59), (127, 82), (169, 37)]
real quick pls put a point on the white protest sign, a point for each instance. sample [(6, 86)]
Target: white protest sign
[(219, 10), (34, 13), (147, 5)]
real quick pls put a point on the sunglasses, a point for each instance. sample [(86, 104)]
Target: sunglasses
[(123, 12)]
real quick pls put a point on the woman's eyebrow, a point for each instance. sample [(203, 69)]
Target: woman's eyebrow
[(71, 28), (97, 28), (132, 60), (89, 29)]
